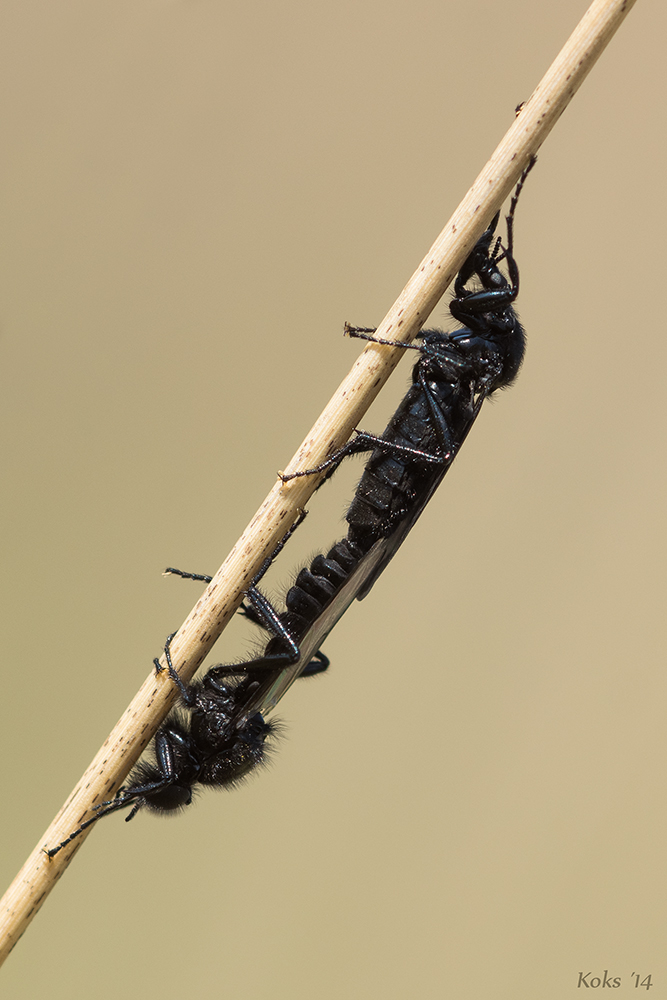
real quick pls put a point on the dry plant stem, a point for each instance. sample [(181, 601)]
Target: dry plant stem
[(216, 606)]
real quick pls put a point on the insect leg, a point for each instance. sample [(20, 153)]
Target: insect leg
[(373, 443), (362, 443), (353, 447), (203, 578), (317, 665), (261, 612), (171, 570), (366, 333)]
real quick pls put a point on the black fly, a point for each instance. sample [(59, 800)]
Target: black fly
[(200, 748), (222, 734), (208, 746), (453, 376), (220, 738)]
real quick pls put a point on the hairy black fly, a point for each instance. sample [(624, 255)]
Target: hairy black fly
[(214, 738)]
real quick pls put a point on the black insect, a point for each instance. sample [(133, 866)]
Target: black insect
[(215, 743), (214, 738), (453, 376)]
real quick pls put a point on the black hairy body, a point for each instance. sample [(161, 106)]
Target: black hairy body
[(203, 747)]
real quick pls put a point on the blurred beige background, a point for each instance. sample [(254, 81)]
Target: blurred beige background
[(195, 196)]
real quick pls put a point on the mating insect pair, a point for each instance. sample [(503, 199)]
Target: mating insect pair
[(222, 735)]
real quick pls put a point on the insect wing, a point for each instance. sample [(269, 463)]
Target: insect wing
[(389, 546), (310, 642), (386, 548)]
